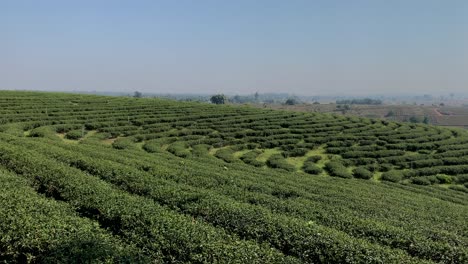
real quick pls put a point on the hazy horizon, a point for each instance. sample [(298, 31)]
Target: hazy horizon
[(238, 47)]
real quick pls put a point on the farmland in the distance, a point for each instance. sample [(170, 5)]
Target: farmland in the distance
[(435, 114), (115, 179)]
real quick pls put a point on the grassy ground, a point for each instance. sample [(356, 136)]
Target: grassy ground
[(238, 154), (267, 153)]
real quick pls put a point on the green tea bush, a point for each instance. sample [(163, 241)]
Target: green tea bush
[(40, 230), (444, 179), (337, 169), (314, 158), (153, 146), (311, 168), (251, 158), (421, 181), (141, 221), (278, 161), (459, 188), (200, 150), (392, 176), (362, 173), (226, 154), (296, 152), (179, 149), (123, 143), (74, 134)]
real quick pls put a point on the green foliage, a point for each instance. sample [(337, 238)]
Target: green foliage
[(459, 188), (277, 161), (74, 134), (421, 181), (311, 168), (179, 149), (161, 193), (153, 146), (36, 229), (226, 154), (392, 176), (314, 159), (218, 99), (123, 143), (362, 173), (200, 150), (337, 169), (295, 152), (251, 158)]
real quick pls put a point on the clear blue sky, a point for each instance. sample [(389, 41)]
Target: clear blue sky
[(175, 46)]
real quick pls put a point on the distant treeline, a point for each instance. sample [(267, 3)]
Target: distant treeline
[(363, 101)]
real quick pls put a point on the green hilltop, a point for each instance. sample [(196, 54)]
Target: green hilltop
[(87, 178)]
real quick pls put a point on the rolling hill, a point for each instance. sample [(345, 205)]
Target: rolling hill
[(89, 178)]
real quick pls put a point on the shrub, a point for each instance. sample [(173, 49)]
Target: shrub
[(200, 150), (296, 152), (226, 154), (459, 188), (314, 159), (461, 178), (362, 173), (153, 146), (392, 176), (179, 149), (444, 179), (311, 168), (337, 169), (45, 132), (372, 167), (122, 143), (74, 134), (385, 167), (278, 161), (251, 158), (421, 181)]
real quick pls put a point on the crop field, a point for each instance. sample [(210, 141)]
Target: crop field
[(96, 179), (451, 116)]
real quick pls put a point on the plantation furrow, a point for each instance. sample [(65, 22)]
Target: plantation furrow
[(39, 230), (247, 185), (239, 184), (331, 202), (151, 227), (164, 193)]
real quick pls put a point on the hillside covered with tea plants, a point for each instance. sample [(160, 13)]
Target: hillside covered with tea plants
[(115, 179)]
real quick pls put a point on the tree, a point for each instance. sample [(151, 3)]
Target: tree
[(218, 99), (390, 113), (414, 119), (291, 101), (426, 120), (137, 94), (236, 99), (256, 96)]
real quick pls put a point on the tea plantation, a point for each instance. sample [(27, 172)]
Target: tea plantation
[(92, 179)]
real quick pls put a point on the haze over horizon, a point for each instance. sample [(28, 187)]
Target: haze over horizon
[(302, 47)]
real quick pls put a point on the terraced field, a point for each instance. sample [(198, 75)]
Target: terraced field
[(114, 179)]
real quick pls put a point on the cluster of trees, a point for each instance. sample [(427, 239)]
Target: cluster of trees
[(364, 101), (418, 119), (222, 99)]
